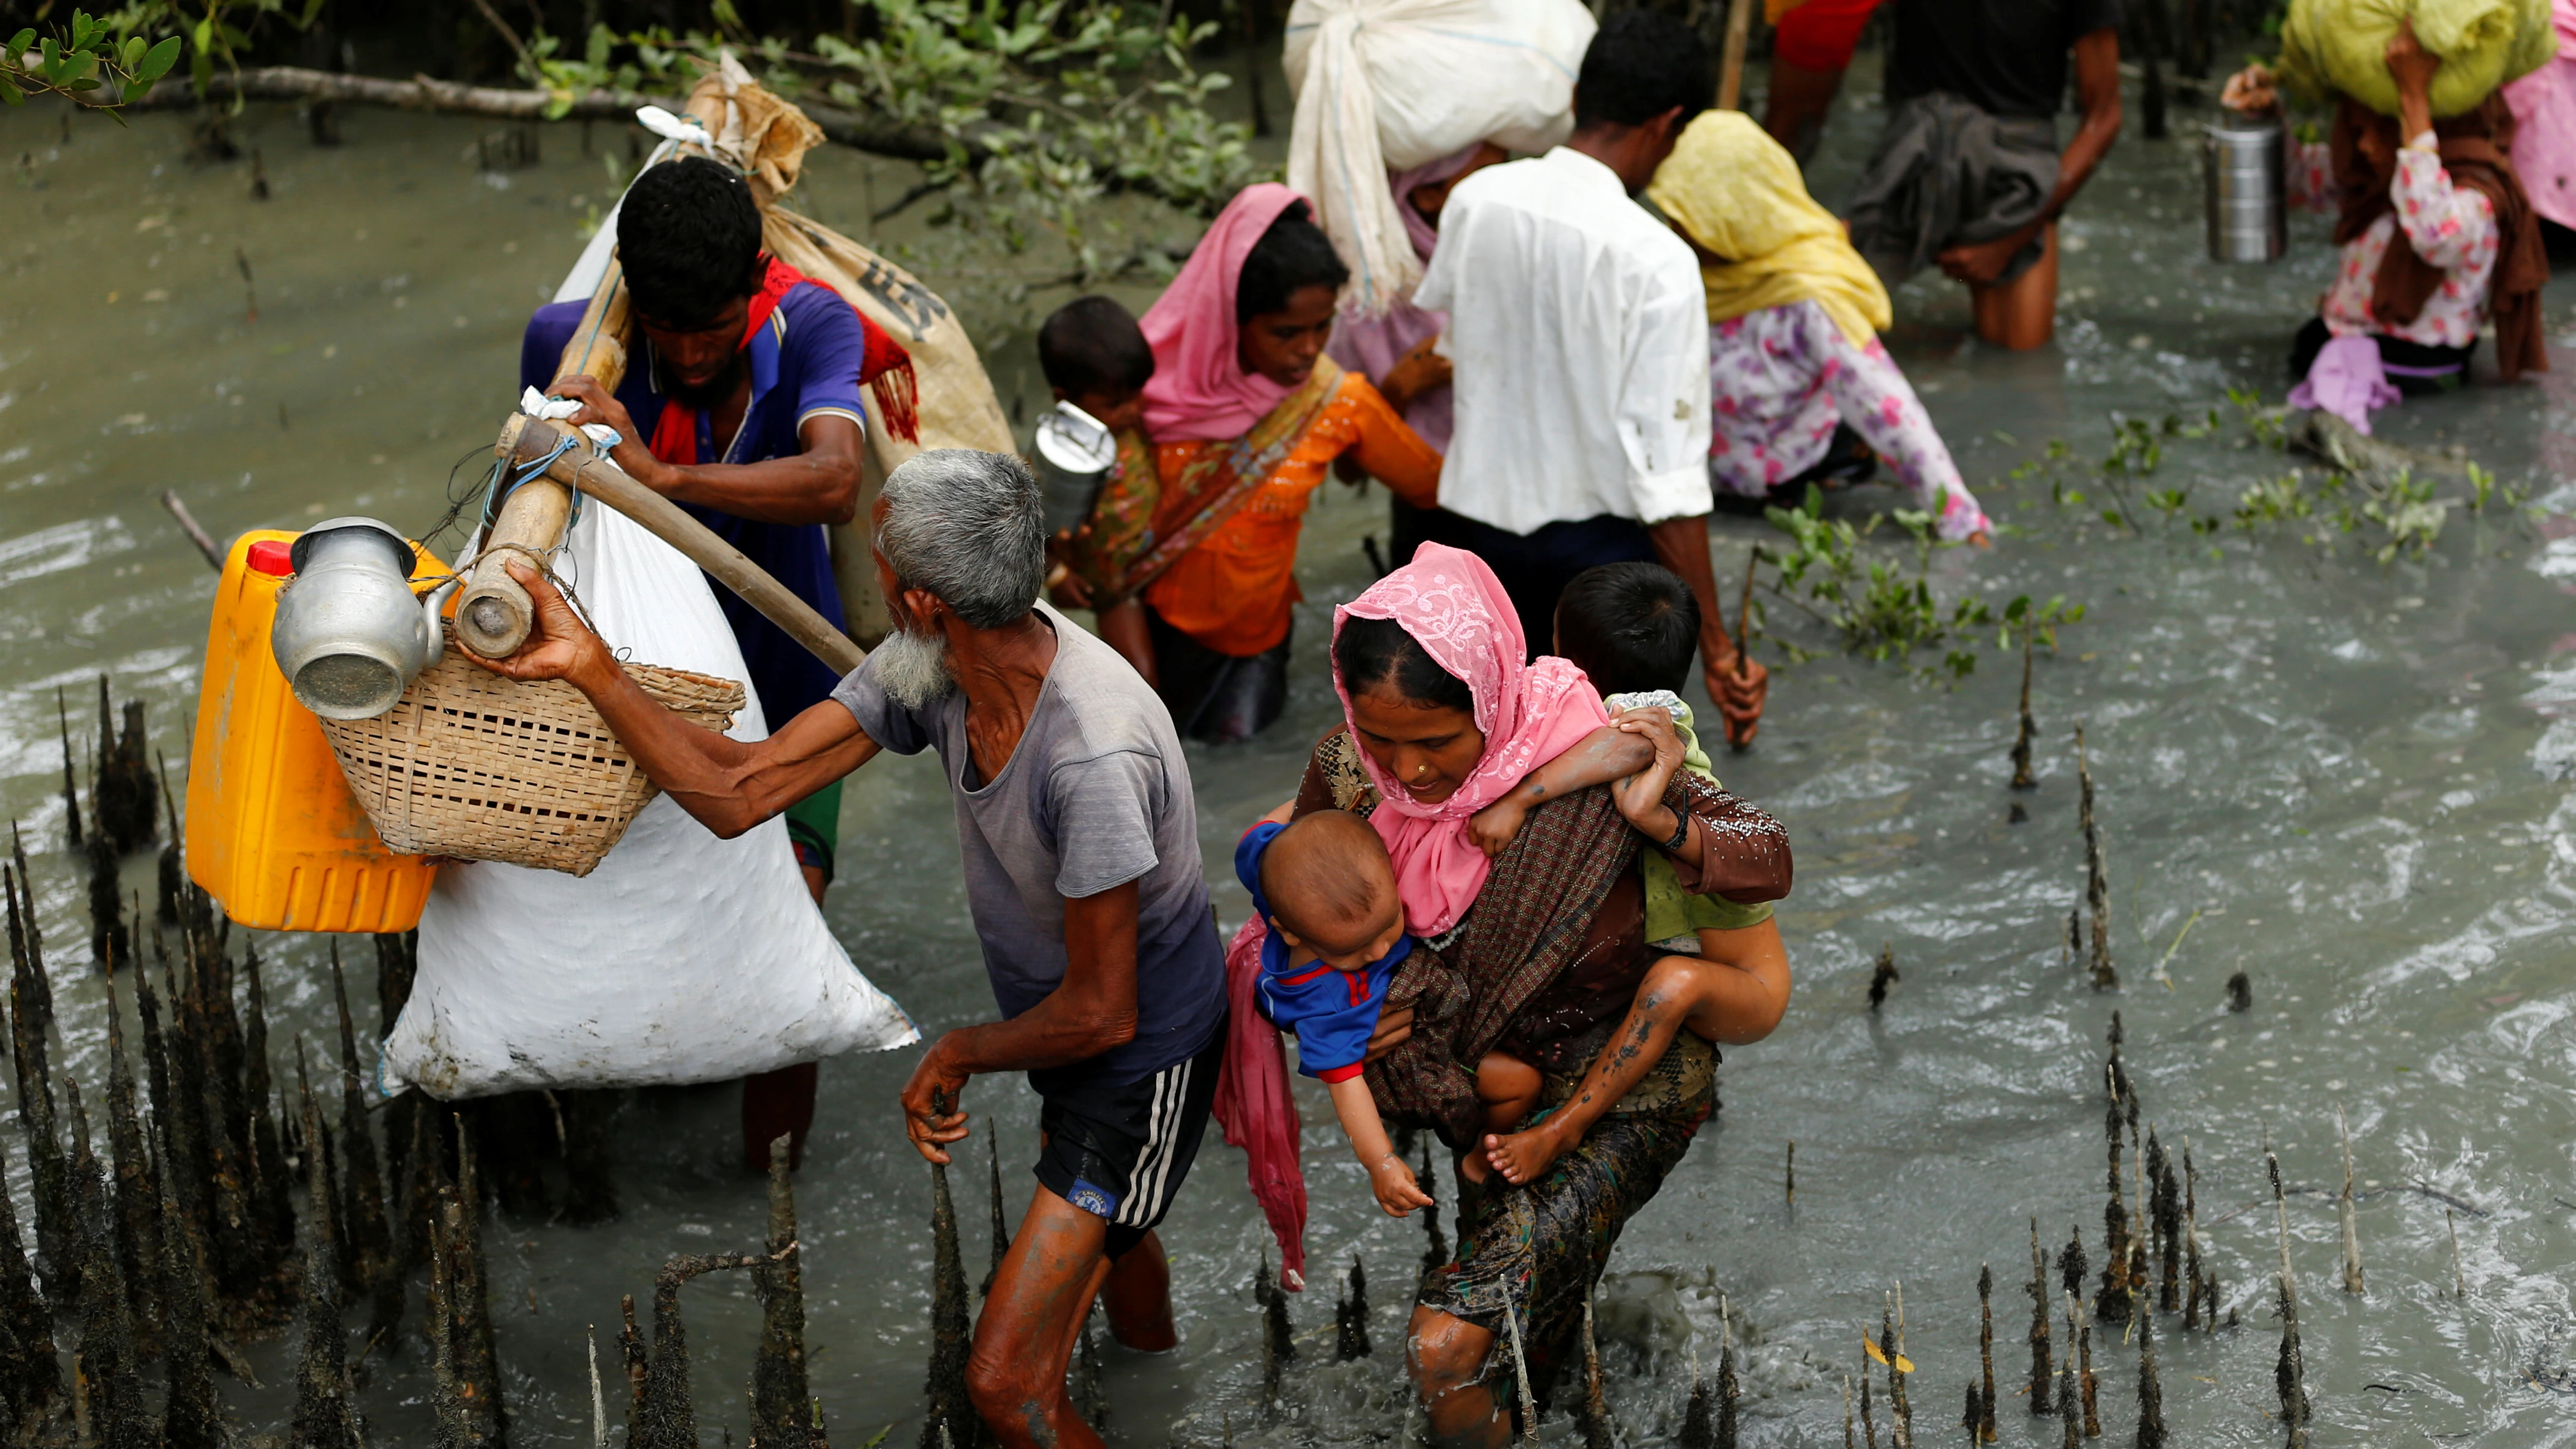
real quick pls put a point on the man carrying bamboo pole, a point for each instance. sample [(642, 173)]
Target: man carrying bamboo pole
[(744, 408), (1080, 834)]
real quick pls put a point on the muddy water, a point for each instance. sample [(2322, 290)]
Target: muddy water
[(2347, 779)]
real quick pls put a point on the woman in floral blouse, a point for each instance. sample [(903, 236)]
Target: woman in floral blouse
[(1798, 380), (2437, 236)]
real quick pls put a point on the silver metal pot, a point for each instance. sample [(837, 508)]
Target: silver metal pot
[(350, 636), (1075, 454), (2246, 184)]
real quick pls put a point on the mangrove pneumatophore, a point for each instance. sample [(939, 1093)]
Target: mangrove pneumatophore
[(950, 1407), (782, 1413)]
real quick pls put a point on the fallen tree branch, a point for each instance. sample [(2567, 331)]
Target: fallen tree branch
[(421, 93)]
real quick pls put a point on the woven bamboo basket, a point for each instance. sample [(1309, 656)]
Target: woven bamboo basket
[(477, 767)]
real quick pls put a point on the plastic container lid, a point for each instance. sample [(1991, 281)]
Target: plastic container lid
[(271, 556)]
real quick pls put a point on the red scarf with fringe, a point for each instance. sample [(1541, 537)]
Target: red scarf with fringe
[(886, 369)]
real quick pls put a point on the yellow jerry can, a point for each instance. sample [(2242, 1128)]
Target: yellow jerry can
[(273, 833)]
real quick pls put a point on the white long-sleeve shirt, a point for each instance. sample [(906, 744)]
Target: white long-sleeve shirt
[(1579, 334)]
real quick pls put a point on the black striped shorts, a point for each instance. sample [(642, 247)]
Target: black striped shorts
[(1121, 1152)]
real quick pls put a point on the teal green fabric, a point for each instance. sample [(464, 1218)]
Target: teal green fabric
[(815, 823)]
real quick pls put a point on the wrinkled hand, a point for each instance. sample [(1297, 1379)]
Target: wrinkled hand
[(936, 1084), (1738, 685), (2409, 62), (1393, 1184), (2253, 91), (1641, 796), (634, 451), (559, 644), (1394, 1029), (1493, 827), (1979, 263)]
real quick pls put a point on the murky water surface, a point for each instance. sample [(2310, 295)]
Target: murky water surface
[(2348, 779)]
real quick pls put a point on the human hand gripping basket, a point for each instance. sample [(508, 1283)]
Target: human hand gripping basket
[(473, 766)]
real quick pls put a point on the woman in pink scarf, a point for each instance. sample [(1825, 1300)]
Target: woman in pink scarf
[(1246, 416), (1442, 720)]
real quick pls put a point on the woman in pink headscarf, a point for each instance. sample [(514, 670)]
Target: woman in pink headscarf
[(1536, 952), (1246, 416)]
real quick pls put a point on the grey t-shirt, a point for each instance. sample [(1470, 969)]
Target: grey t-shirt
[(1096, 795)]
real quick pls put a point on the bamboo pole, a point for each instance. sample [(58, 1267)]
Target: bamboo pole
[(1730, 72), (528, 439), (494, 614)]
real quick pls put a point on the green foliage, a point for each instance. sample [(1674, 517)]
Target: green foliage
[(1879, 610), (2401, 514), (1041, 107), (2041, 620), (2408, 518), (105, 61)]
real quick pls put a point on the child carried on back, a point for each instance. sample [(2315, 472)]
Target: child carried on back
[(1328, 891)]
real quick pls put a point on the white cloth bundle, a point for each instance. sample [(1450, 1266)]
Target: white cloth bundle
[(682, 958), (1388, 85)]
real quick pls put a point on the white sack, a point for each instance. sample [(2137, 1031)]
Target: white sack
[(681, 958), (1388, 85)]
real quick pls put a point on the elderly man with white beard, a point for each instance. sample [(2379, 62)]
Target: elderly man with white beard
[(1080, 837)]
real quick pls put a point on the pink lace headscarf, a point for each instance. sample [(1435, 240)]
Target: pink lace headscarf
[(1455, 608), (1451, 603)]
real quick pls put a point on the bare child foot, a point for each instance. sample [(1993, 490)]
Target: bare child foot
[(1509, 1089), (1523, 1157)]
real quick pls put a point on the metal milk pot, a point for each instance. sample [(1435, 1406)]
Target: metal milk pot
[(2246, 181), (350, 636)]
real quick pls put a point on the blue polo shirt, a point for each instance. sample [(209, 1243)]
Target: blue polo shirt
[(805, 361), (1333, 1012)]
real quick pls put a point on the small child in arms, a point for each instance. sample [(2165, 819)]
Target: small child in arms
[(1632, 628), (1327, 889)]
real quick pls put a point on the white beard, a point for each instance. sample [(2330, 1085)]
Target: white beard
[(913, 668)]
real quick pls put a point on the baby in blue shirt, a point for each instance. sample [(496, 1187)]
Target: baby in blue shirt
[(1326, 887)]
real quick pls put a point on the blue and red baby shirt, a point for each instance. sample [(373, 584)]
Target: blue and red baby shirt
[(1333, 1012)]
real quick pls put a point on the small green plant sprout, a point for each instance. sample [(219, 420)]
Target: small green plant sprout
[(2041, 621), (2266, 423), (2407, 514), (2481, 487), (2168, 501), (1878, 607)]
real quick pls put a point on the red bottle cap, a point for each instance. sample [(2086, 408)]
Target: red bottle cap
[(270, 556)]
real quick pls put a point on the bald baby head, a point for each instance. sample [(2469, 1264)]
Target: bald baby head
[(1330, 883)]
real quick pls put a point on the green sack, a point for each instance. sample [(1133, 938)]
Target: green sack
[(2330, 46)]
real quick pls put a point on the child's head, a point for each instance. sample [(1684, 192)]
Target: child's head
[(1331, 889), (1094, 356), (1630, 626)]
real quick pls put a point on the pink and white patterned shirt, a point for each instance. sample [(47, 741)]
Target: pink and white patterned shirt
[(2452, 227), (1781, 377)]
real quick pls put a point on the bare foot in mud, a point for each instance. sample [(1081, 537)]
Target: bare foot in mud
[(1523, 1157)]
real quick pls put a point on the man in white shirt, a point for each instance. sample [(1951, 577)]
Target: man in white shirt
[(1578, 335)]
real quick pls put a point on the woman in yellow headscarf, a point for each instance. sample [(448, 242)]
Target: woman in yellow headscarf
[(1802, 391)]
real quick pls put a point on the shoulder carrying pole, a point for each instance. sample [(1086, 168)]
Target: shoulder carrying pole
[(524, 440), (493, 614)]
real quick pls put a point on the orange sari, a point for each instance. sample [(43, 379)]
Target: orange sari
[(1233, 588)]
